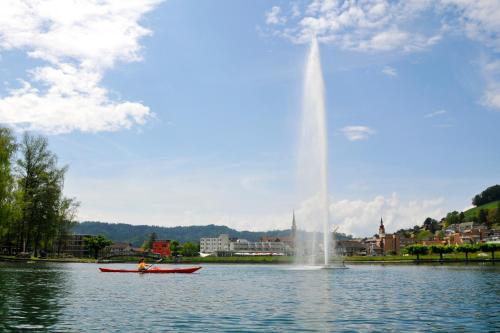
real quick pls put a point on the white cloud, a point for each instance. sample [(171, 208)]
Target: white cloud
[(491, 98), (435, 113), (360, 25), (273, 16), (401, 25), (362, 217), (357, 133), (390, 71), (480, 20), (79, 41)]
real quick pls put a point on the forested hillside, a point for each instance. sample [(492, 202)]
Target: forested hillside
[(137, 234)]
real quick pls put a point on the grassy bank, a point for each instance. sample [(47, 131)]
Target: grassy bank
[(451, 258)]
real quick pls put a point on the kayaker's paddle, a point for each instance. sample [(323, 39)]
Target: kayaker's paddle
[(157, 262)]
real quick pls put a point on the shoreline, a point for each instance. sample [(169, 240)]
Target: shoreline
[(266, 261)]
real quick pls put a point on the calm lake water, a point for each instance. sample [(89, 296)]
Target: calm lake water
[(250, 298)]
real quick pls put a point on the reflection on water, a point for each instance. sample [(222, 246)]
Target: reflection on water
[(251, 298), (29, 297)]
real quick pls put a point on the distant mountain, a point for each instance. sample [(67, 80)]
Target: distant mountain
[(137, 234)]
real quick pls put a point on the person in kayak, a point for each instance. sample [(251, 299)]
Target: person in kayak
[(142, 265)]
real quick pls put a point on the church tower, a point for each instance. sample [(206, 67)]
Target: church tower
[(381, 229), (294, 229)]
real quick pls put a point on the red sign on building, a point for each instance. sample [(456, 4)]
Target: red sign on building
[(162, 247)]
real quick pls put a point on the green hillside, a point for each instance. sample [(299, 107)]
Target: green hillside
[(137, 234), (474, 212)]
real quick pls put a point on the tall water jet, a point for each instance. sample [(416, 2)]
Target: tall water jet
[(313, 155)]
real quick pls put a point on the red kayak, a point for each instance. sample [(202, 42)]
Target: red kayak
[(155, 270)]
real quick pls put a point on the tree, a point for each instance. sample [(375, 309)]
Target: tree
[(490, 247), (466, 248), (492, 193), (96, 243), (483, 216), (174, 248), (497, 216), (190, 250), (40, 182), (7, 195), (148, 245), (424, 235), (431, 224), (417, 249), (452, 218), (492, 216), (441, 249), (461, 217)]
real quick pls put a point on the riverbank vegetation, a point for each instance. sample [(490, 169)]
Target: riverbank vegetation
[(35, 216)]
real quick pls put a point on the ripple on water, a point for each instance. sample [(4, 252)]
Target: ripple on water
[(251, 298)]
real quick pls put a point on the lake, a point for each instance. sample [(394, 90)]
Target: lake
[(251, 298)]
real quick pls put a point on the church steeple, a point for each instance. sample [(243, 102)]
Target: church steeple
[(381, 229)]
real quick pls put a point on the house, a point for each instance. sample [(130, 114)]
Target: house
[(162, 247), (117, 249), (350, 248)]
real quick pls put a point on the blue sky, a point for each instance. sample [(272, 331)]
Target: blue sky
[(186, 112)]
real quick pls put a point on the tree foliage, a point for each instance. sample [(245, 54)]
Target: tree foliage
[(490, 247), (96, 243), (492, 193), (417, 249), (175, 248), (190, 250), (441, 249), (34, 214), (466, 248)]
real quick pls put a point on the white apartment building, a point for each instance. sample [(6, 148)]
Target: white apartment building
[(212, 245), (245, 246)]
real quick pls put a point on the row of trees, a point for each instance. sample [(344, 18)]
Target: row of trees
[(418, 249), (491, 194), (35, 216)]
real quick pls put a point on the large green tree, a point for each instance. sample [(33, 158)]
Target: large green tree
[(441, 249), (190, 250), (466, 248), (7, 187), (96, 243), (492, 193), (417, 249), (46, 213), (490, 247)]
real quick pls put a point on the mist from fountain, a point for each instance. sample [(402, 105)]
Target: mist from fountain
[(313, 158)]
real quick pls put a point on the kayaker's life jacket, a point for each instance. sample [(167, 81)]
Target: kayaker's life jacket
[(142, 266)]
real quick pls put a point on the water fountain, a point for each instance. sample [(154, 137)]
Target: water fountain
[(313, 161)]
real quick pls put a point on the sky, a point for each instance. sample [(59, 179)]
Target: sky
[(187, 112)]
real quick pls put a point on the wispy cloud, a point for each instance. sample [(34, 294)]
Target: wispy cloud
[(435, 113), (358, 25), (78, 41), (274, 17), (357, 133), (386, 25), (390, 71)]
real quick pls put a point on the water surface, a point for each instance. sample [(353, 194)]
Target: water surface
[(251, 298)]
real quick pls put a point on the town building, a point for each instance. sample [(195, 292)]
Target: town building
[(117, 249), (350, 248), (268, 245), (245, 247), (162, 247), (213, 245)]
